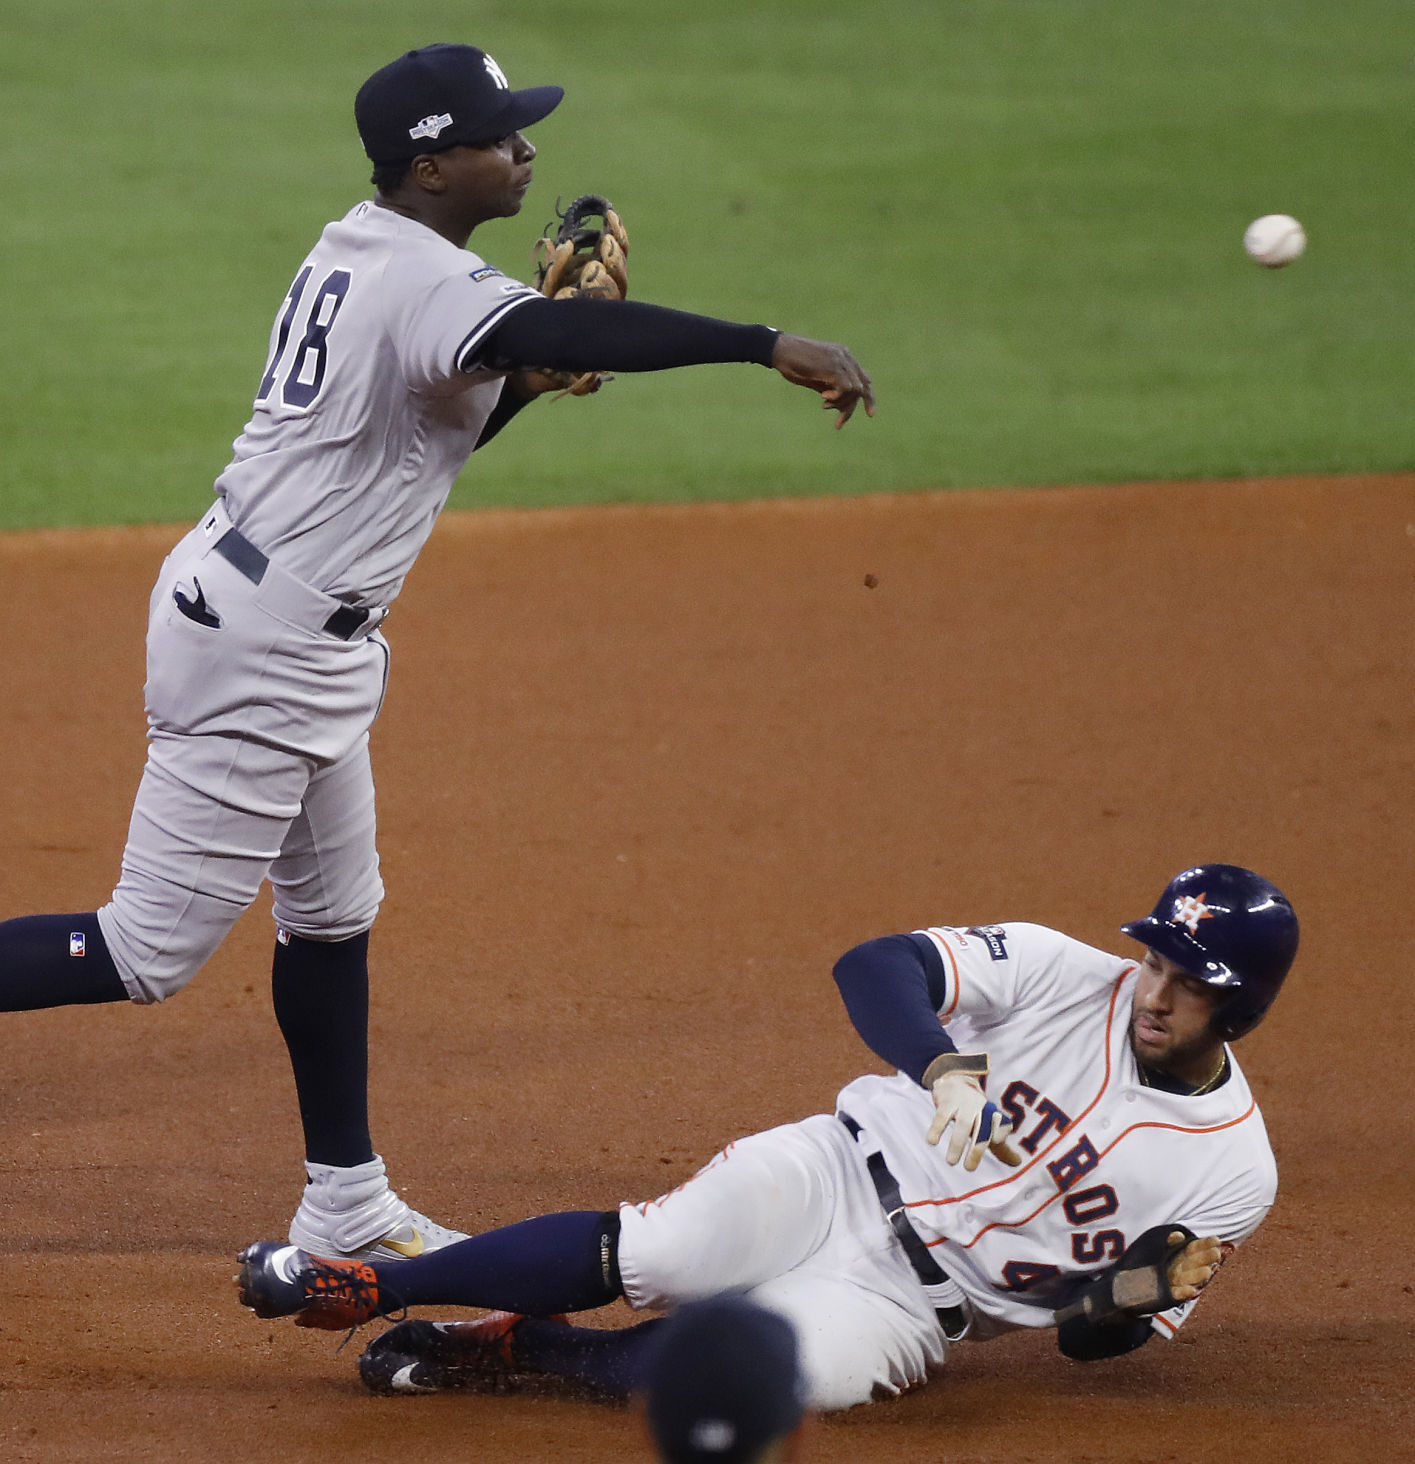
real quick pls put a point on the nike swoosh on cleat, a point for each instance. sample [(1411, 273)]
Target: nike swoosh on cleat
[(402, 1380), (410, 1250)]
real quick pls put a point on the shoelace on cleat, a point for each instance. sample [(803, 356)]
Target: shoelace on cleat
[(353, 1284)]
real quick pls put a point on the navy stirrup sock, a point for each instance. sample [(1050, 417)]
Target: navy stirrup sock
[(608, 1359), (54, 961), (565, 1262), (319, 989)]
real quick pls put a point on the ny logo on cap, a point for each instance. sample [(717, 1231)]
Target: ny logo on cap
[(496, 73), (1190, 911), (431, 126)]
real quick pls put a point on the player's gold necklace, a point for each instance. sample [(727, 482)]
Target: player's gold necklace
[(1205, 1087), (1218, 1073)]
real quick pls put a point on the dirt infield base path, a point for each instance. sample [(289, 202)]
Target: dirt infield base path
[(644, 774)]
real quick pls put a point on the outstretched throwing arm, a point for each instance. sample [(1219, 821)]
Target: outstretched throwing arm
[(584, 335), (827, 368)]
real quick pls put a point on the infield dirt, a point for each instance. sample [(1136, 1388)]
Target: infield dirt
[(644, 774)]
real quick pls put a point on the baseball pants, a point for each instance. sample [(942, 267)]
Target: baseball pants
[(258, 765), (791, 1218)]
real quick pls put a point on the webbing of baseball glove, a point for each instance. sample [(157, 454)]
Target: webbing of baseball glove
[(585, 257), (1137, 1285)]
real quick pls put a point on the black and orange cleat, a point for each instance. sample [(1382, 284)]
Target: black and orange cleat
[(278, 1280), (438, 1357)]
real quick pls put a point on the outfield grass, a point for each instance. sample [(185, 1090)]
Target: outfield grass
[(1024, 215)]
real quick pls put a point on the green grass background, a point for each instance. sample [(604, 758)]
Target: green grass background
[(1023, 215)]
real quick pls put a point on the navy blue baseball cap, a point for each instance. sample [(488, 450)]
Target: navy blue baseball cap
[(722, 1382), (439, 97)]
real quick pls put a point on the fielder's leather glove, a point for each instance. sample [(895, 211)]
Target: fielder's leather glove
[(585, 258)]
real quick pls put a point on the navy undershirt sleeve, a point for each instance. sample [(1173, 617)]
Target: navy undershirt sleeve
[(893, 988), (506, 407), (620, 335)]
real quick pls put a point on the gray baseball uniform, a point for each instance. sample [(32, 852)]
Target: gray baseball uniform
[(266, 667)]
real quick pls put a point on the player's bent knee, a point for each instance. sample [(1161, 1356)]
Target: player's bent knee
[(323, 928), (157, 949), (343, 919)]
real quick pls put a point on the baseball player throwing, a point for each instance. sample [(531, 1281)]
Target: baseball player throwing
[(394, 355), (1068, 1142)]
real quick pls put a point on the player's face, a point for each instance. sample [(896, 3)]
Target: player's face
[(1169, 1022), (488, 181)]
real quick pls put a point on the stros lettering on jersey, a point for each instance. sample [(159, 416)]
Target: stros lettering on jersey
[(1106, 1156), (372, 400)]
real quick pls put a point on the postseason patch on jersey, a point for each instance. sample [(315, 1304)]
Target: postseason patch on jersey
[(485, 273), (992, 936)]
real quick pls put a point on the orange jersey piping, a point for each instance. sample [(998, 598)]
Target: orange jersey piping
[(1036, 1159), (957, 979), (1069, 1130)]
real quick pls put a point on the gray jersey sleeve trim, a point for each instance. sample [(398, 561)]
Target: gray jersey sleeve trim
[(467, 355)]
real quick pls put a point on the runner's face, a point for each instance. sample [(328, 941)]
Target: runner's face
[(1169, 1021)]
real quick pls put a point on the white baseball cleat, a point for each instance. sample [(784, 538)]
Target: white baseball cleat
[(354, 1214)]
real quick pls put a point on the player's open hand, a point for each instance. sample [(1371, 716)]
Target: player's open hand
[(978, 1126), (1195, 1266), (827, 368)]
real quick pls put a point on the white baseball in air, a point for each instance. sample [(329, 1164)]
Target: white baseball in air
[(1275, 240)]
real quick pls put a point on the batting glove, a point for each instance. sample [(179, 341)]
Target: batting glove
[(954, 1079)]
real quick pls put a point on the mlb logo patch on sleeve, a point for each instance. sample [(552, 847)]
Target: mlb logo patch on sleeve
[(994, 937), (485, 273)]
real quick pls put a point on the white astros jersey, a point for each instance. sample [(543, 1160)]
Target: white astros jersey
[(1106, 1156), (366, 412)]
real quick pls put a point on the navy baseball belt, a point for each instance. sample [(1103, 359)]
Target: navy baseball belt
[(238, 551), (953, 1319)]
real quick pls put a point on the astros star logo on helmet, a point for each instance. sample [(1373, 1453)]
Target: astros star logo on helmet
[(1190, 911)]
